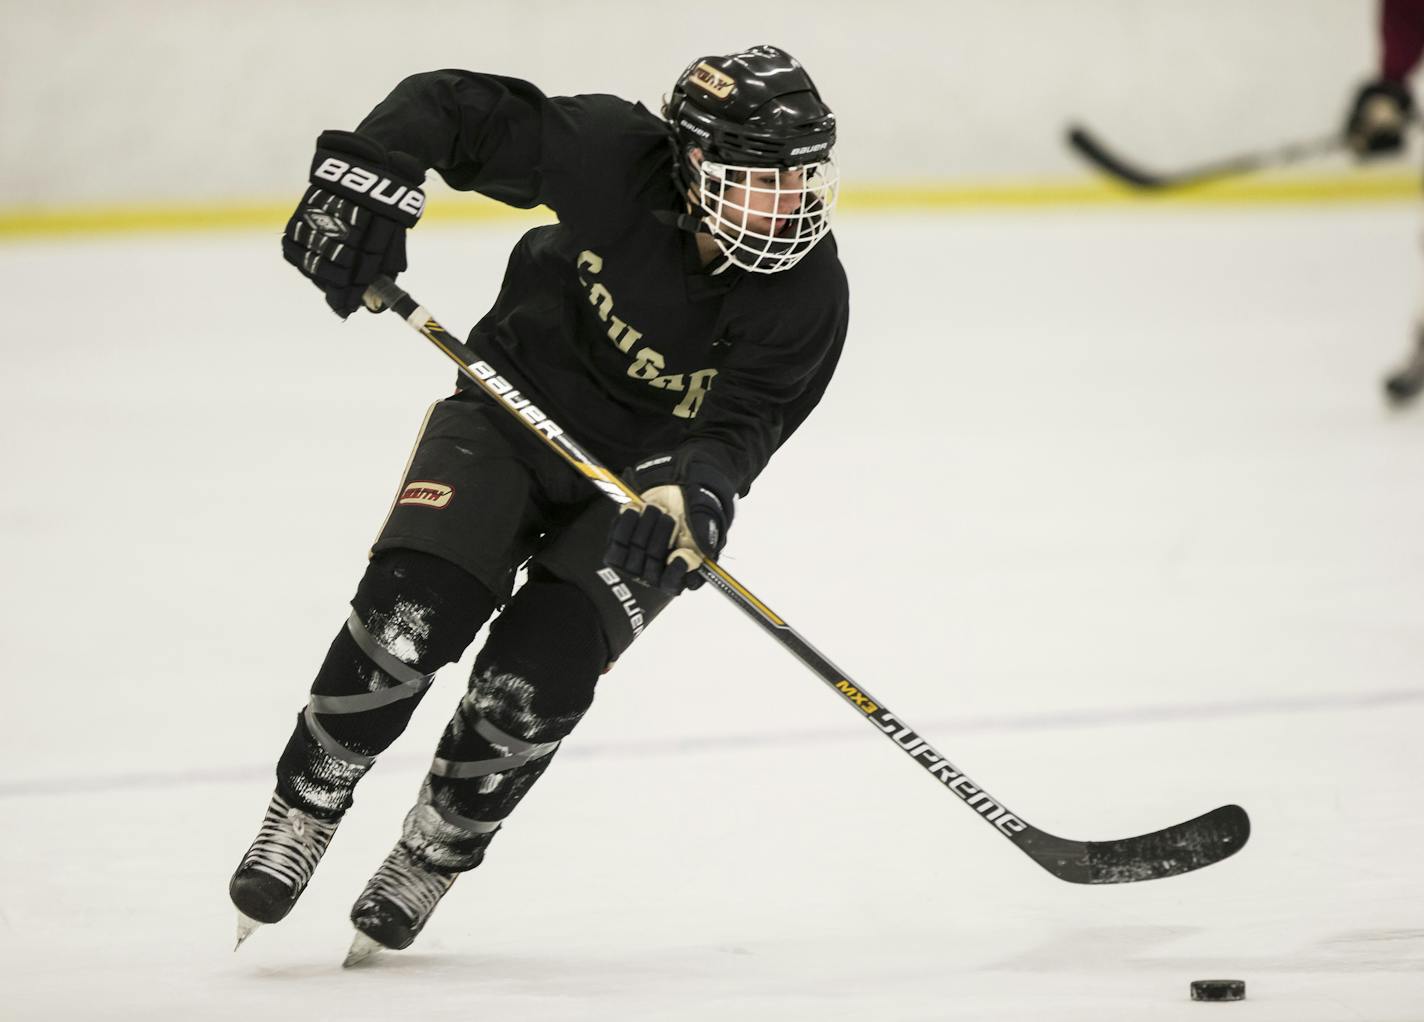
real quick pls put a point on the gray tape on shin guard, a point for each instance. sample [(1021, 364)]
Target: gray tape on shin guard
[(412, 614), (482, 772), (528, 691), (520, 752), (410, 684)]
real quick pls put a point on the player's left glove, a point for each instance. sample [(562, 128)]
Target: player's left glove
[(684, 519), (350, 227)]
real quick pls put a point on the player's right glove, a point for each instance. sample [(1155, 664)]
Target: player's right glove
[(350, 227), (1378, 118), (686, 512)]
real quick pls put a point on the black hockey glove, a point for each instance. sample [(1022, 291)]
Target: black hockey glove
[(1378, 118), (685, 517), (350, 228)]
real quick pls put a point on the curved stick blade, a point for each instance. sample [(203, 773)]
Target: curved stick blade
[(1099, 155), (1188, 846)]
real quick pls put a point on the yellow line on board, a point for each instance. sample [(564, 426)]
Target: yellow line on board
[(1261, 189), (137, 218), (21, 222), (1245, 190)]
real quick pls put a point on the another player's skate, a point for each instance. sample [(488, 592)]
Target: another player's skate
[(396, 904), (276, 869), (1403, 386)]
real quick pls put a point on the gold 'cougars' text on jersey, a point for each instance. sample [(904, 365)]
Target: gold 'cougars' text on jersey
[(648, 363)]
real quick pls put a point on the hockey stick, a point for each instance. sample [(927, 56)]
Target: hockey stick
[(1200, 842), (1093, 150)]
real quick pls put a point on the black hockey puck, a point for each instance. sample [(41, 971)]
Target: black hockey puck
[(1218, 990)]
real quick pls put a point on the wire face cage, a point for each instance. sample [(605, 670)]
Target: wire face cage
[(765, 219)]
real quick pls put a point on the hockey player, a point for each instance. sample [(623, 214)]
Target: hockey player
[(682, 318), (1376, 126)]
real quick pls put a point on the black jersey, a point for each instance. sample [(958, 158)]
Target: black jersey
[(608, 317)]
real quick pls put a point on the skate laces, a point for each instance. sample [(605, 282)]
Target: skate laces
[(289, 844), (412, 888)]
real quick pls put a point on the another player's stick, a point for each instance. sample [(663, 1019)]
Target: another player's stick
[(1187, 846), (1090, 148)]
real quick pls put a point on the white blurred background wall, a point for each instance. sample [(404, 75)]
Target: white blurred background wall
[(176, 100)]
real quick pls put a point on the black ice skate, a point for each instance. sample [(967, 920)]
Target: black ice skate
[(396, 904), (276, 869), (1404, 385)]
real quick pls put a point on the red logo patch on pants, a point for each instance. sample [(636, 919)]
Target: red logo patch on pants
[(426, 494)]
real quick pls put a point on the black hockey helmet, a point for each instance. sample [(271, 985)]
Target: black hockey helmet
[(755, 156), (758, 108)]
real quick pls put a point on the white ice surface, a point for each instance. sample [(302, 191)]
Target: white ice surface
[(1104, 503)]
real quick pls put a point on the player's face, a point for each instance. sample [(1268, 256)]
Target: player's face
[(763, 219), (761, 201)]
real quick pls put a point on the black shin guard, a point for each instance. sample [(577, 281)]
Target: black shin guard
[(532, 683), (412, 614)]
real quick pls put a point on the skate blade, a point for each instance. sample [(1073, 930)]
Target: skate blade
[(246, 927), (362, 948)]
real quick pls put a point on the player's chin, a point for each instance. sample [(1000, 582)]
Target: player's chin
[(786, 227), (769, 229)]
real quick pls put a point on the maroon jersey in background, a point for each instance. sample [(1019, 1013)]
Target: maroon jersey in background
[(1401, 37)]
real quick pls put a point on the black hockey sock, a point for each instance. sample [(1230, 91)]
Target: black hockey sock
[(412, 614), (531, 684)]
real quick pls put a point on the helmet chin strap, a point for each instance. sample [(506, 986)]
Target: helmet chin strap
[(690, 222), (727, 262)]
